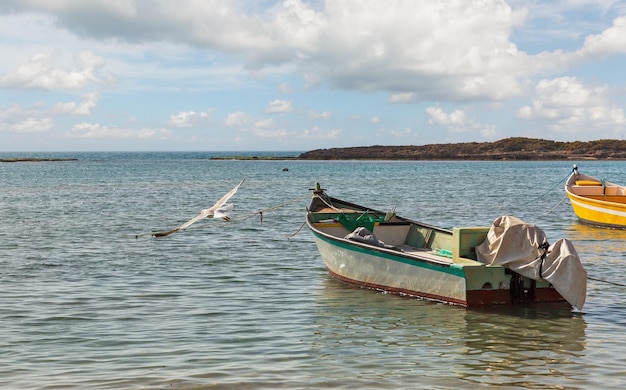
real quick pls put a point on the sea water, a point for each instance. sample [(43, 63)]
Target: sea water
[(88, 301)]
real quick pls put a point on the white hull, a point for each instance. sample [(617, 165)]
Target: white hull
[(383, 251), (381, 271)]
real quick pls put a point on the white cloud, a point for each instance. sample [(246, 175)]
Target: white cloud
[(190, 118), (94, 130), (610, 41), (465, 41), (311, 81), (284, 88), (238, 118), (86, 105), (38, 119), (32, 125), (448, 51), (270, 132), (318, 133), (15, 113), (264, 123), (570, 106), (440, 117), (402, 97), (279, 106), (460, 49), (458, 53), (406, 132), (314, 115), (41, 73), (103, 8), (458, 122)]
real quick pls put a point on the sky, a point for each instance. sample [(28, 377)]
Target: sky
[(297, 75)]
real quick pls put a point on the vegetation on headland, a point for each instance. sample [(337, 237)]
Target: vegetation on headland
[(515, 148)]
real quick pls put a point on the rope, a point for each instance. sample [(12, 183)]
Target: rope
[(549, 191), (330, 205), (544, 247), (554, 186), (555, 206), (606, 281), (260, 212), (297, 231)]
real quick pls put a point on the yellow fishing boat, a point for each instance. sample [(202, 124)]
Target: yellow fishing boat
[(596, 201)]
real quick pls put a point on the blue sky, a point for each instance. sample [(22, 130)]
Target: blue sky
[(295, 75)]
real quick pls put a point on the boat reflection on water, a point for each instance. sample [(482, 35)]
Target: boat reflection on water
[(407, 341), (531, 346), (594, 239), (603, 252)]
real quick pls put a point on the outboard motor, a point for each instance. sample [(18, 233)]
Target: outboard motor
[(522, 289)]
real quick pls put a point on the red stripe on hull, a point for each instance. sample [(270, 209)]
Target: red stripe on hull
[(548, 295), (474, 298), (399, 291), (488, 297)]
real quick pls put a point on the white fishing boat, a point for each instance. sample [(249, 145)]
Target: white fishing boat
[(507, 263)]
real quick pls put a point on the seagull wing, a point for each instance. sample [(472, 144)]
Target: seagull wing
[(193, 220), (181, 227), (204, 213), (220, 203)]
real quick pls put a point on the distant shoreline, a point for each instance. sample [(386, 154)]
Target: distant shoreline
[(516, 148), (33, 159), (508, 149)]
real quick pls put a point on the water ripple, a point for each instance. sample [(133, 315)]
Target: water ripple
[(244, 304)]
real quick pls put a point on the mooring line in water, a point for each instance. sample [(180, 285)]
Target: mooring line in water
[(297, 231), (187, 228), (260, 212), (536, 199), (606, 281), (554, 186), (550, 190), (555, 206)]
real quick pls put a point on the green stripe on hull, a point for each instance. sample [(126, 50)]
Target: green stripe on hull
[(451, 269)]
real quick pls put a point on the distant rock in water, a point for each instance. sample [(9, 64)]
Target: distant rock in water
[(516, 148)]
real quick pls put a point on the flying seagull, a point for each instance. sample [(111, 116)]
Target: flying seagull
[(218, 210)]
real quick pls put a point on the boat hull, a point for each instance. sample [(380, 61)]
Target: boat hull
[(383, 251), (598, 213), (602, 204), (382, 271), (462, 285)]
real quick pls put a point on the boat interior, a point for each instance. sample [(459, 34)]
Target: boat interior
[(598, 190), (448, 246)]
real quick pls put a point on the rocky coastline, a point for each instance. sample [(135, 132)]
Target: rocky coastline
[(516, 148)]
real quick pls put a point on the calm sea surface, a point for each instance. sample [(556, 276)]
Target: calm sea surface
[(248, 304)]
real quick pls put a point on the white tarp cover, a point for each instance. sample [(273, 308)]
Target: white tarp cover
[(514, 244)]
